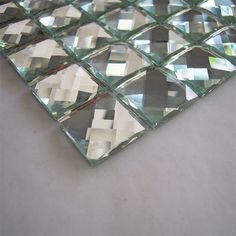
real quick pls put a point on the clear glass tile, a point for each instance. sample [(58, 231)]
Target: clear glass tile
[(97, 7), (158, 42), (9, 12), (220, 7), (102, 127), (225, 42), (122, 22), (65, 90), (83, 40), (162, 8), (201, 70), (60, 17), (19, 33), (155, 96), (38, 58), (195, 24), (34, 6), (115, 62)]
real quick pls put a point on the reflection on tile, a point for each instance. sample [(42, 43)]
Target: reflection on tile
[(99, 128), (225, 42), (38, 58), (80, 41), (220, 7), (65, 90), (194, 23), (10, 12), (201, 70), (60, 17), (162, 7), (123, 21), (155, 96), (19, 33), (158, 42), (115, 62), (97, 7), (38, 5)]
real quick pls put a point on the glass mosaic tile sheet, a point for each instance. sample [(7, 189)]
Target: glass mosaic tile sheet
[(110, 71)]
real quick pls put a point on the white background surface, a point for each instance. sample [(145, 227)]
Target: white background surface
[(178, 180)]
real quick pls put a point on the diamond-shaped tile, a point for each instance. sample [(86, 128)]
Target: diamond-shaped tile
[(195, 24), (115, 62), (38, 58), (201, 70), (220, 7), (122, 22), (102, 127), (33, 6), (97, 7), (225, 42), (60, 17), (65, 90), (10, 12), (162, 8), (83, 40), (155, 96), (19, 33), (158, 42)]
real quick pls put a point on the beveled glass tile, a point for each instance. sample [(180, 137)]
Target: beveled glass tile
[(19, 33), (60, 17), (201, 70), (122, 22), (158, 42), (162, 8), (220, 7), (9, 12), (195, 24), (33, 6), (115, 62), (65, 90), (82, 40), (155, 96), (102, 127), (38, 58), (97, 7), (225, 42)]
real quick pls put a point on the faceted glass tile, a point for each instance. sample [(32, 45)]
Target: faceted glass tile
[(10, 12), (101, 127), (162, 8), (155, 96), (38, 58), (201, 70), (85, 39), (97, 7), (123, 21), (194, 23), (38, 5), (65, 90), (225, 42), (115, 62), (158, 42), (220, 7), (60, 17), (19, 33)]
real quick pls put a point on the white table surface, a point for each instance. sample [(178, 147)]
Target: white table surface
[(175, 181)]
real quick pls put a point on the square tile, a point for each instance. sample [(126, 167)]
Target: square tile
[(115, 62), (65, 90), (37, 59), (155, 96), (201, 70), (102, 127)]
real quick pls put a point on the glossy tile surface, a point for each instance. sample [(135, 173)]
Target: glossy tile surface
[(110, 70)]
